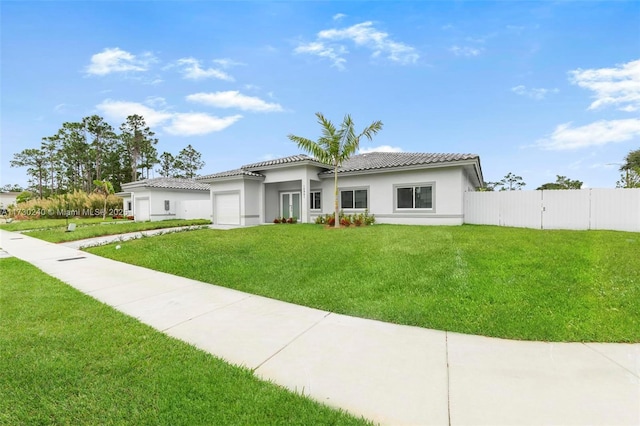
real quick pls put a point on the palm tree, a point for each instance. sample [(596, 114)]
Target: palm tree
[(335, 146), (105, 188)]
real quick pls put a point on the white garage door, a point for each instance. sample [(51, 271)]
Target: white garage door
[(227, 209), (142, 210)]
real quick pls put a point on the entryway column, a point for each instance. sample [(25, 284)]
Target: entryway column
[(304, 201)]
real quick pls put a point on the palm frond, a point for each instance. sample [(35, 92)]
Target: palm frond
[(312, 147), (373, 129), (328, 129)]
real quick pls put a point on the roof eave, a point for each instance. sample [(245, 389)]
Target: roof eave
[(411, 167), (212, 180)]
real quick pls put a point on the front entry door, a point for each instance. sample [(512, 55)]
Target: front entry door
[(290, 205)]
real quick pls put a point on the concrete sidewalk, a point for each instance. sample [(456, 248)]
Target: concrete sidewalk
[(391, 374)]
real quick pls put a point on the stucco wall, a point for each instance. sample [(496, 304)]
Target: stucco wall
[(290, 173), (157, 196), (447, 195), (7, 199), (251, 208)]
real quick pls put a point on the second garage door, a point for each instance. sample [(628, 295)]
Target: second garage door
[(141, 212), (227, 209)]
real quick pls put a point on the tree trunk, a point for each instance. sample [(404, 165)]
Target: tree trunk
[(40, 182), (336, 206)]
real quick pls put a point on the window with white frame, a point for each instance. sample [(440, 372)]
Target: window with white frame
[(414, 196), (315, 201), (353, 199)]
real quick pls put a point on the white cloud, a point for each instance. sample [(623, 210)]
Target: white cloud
[(269, 157), (61, 108), (234, 99), (533, 93), (382, 148), (155, 101), (195, 123), (566, 137), (465, 51), (120, 110), (184, 124), (155, 81), (619, 86), (361, 35), (338, 16), (192, 70), (112, 60), (227, 63), (334, 54)]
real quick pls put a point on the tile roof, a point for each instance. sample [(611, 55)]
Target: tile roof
[(169, 183), (286, 160), (230, 173), (386, 160), (360, 162)]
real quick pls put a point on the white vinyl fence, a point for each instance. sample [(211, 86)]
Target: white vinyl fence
[(616, 209), (193, 209)]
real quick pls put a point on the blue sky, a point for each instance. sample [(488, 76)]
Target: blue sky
[(535, 88)]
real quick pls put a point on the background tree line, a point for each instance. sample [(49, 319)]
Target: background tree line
[(629, 178), (84, 152), (630, 171)]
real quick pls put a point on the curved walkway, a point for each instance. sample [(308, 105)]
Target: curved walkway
[(391, 374)]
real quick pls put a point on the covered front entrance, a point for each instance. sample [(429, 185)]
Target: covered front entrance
[(290, 205)]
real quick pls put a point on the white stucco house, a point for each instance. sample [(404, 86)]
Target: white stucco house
[(166, 198), (402, 188), (7, 199)]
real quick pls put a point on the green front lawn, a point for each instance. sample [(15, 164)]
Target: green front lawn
[(494, 281), (26, 225), (67, 359), (89, 228)]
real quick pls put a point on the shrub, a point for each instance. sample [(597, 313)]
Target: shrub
[(358, 219), (24, 196), (77, 203), (368, 219), (276, 220)]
